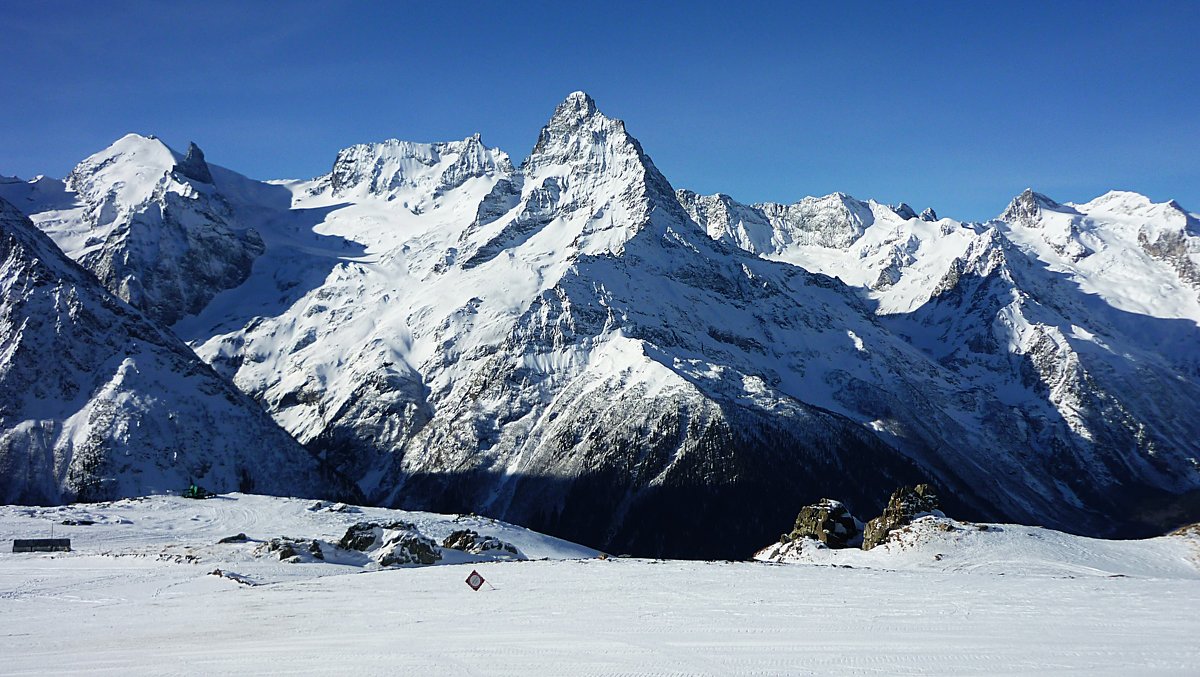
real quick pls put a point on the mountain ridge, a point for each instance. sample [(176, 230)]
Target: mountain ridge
[(464, 334)]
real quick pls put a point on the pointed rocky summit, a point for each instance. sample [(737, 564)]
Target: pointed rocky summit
[(1028, 206), (193, 165)]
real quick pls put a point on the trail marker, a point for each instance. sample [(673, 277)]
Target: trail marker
[(475, 580)]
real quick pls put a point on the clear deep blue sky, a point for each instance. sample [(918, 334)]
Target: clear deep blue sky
[(957, 105)]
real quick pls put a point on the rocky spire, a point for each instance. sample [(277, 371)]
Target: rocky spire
[(904, 211), (193, 165), (599, 148)]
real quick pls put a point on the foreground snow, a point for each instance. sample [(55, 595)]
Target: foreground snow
[(1006, 600)]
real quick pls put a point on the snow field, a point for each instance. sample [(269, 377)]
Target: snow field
[(1008, 600)]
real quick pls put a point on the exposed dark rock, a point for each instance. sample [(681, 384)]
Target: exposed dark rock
[(235, 577), (906, 504), (1191, 530), (240, 538), (827, 521), (929, 214), (363, 535), (292, 549), (470, 541), (1172, 249), (284, 548), (395, 543), (1027, 207), (193, 165), (408, 547)]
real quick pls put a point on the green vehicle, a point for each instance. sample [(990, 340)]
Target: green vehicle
[(196, 491)]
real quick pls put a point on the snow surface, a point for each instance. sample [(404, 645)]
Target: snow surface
[(1009, 600)]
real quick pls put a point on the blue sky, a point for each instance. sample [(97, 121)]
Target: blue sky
[(955, 105)]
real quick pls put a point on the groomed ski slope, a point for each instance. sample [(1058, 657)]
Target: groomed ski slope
[(1009, 600)]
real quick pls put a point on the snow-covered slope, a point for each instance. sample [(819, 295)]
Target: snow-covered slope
[(574, 345), (181, 530), (394, 168), (940, 544), (1140, 257), (835, 220), (98, 402), (1009, 600)]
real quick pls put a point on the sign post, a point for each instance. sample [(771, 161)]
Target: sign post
[(475, 580)]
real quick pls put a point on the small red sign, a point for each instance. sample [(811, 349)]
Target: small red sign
[(475, 580)]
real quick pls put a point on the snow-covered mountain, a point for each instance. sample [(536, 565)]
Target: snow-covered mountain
[(160, 229), (97, 402), (574, 345), (1082, 317)]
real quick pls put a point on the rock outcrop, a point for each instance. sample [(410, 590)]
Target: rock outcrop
[(469, 541), (391, 543), (193, 166), (407, 547), (827, 521), (905, 505)]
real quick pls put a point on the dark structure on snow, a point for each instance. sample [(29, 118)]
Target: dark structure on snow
[(41, 545)]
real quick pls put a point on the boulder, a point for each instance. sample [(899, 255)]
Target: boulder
[(292, 550), (284, 548), (467, 540), (408, 547), (391, 543), (905, 505), (827, 521), (364, 535)]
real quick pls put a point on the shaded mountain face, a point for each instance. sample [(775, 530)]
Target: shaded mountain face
[(575, 345), (96, 402)]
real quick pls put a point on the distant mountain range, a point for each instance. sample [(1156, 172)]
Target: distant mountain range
[(577, 346)]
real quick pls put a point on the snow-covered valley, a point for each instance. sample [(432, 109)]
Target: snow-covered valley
[(137, 596)]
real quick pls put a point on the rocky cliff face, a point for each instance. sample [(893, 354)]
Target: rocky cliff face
[(96, 402), (387, 169), (768, 228)]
